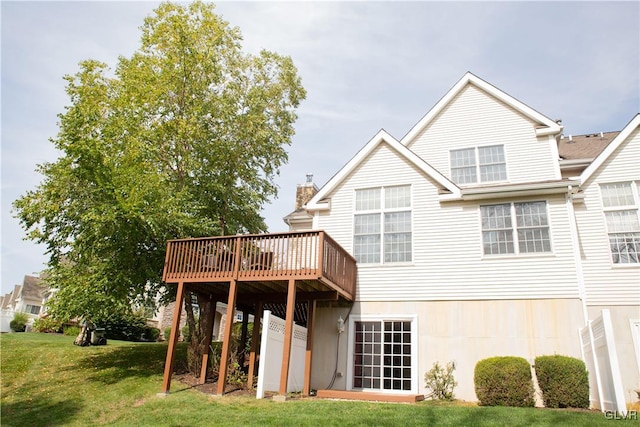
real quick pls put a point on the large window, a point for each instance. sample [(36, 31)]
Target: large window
[(514, 228), (620, 204), (481, 164), (382, 355), (382, 225), (32, 309)]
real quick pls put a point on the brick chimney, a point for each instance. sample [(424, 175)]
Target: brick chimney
[(305, 192)]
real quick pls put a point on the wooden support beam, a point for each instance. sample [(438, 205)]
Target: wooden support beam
[(307, 359), (207, 341), (288, 335), (228, 330), (255, 345), (173, 339)]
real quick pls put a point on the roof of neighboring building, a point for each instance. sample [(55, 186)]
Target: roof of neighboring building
[(584, 146), (32, 288)]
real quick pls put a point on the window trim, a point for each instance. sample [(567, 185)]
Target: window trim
[(514, 231), (414, 348), (635, 193), (477, 165), (381, 211)]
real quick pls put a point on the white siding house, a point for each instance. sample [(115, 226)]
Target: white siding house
[(470, 244)]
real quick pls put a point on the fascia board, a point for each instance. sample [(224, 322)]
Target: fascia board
[(610, 149), (549, 126)]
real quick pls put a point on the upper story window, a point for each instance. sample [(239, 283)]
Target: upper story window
[(480, 164), (515, 228), (382, 225), (620, 202)]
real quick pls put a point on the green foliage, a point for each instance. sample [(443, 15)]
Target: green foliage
[(71, 331), (182, 139), (440, 382), (186, 334), (125, 325), (563, 380), (47, 324), (167, 333), (19, 322), (151, 334), (504, 381)]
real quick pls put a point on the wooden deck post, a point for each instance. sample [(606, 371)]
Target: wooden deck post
[(173, 339), (228, 331), (207, 341), (255, 344), (288, 335), (307, 359)]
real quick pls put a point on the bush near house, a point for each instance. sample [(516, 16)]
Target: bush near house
[(47, 325), (504, 381), (125, 326), (440, 382), (19, 322), (563, 380)]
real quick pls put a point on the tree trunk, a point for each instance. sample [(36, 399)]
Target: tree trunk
[(198, 325)]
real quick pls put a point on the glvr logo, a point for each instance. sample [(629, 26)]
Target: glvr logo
[(615, 415)]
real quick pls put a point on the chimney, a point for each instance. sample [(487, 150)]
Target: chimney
[(305, 192)]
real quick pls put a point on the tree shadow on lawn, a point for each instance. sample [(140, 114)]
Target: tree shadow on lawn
[(110, 365), (38, 411)]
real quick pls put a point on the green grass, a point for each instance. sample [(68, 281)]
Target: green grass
[(47, 381)]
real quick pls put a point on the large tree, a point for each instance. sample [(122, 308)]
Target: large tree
[(182, 139)]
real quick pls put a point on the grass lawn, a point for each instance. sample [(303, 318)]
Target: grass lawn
[(47, 381)]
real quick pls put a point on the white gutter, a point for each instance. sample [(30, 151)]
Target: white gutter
[(514, 190)]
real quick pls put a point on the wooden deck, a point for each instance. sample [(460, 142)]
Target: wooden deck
[(369, 396), (263, 264)]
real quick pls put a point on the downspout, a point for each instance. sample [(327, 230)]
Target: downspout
[(575, 240)]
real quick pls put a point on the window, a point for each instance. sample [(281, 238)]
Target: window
[(382, 355), (488, 163), (620, 204), (382, 225), (32, 309), (515, 228)]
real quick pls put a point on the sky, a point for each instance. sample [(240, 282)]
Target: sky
[(365, 65)]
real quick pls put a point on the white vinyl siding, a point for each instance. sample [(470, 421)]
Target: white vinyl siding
[(447, 261), (620, 203), (487, 163), (475, 116), (382, 225), (607, 283)]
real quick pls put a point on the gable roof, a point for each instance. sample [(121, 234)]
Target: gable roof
[(578, 147), (32, 288), (610, 149), (545, 126), (382, 137)]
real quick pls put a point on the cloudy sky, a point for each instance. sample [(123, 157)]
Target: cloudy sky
[(365, 66)]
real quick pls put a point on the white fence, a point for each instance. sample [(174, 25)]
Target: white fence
[(271, 351), (599, 354)]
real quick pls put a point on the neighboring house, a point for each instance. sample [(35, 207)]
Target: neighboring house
[(26, 298), (482, 232)]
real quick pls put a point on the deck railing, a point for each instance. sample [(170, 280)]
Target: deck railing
[(298, 255)]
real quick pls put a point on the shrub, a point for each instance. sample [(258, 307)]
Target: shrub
[(504, 381), (186, 334), (151, 334), (167, 333), (19, 322), (440, 381), (123, 325), (72, 331), (563, 380), (47, 324)]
